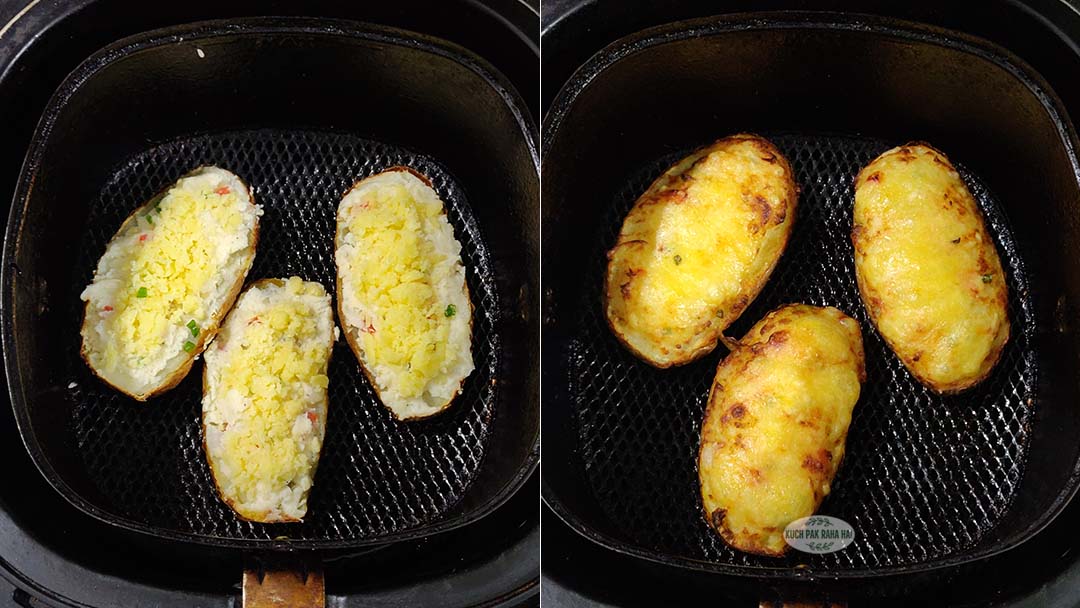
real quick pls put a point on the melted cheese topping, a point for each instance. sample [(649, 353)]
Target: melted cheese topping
[(697, 247), (265, 405), (166, 275), (776, 423), (403, 292)]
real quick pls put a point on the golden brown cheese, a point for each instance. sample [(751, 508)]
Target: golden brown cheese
[(697, 247), (927, 268), (776, 423)]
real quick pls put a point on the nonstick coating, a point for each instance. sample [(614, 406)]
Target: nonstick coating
[(376, 475), (924, 475)]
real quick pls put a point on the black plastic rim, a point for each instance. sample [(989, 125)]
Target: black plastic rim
[(202, 31), (895, 28)]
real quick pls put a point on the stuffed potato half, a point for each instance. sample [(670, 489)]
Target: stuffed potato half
[(265, 398), (166, 279), (776, 424), (927, 268), (697, 247), (402, 297)]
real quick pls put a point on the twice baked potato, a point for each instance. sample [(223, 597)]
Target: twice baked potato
[(697, 247), (927, 268), (264, 398), (776, 424), (167, 277), (402, 298)]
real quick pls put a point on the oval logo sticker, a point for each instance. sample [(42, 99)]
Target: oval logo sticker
[(819, 534)]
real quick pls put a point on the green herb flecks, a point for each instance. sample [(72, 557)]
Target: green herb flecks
[(987, 278), (141, 293), (451, 310), (678, 259)]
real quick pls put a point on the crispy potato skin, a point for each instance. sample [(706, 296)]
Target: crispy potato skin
[(776, 422), (697, 247), (927, 268)]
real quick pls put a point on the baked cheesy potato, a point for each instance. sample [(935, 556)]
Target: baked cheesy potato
[(697, 247), (776, 423), (166, 279), (402, 298), (927, 268), (264, 398)]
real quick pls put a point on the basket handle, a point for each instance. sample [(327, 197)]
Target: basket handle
[(275, 587)]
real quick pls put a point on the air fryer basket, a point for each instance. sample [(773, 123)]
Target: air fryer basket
[(300, 109), (927, 481)]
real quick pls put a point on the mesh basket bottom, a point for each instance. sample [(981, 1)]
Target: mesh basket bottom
[(924, 475), (376, 476)]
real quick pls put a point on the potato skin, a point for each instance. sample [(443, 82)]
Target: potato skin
[(776, 423), (210, 331), (927, 268), (697, 247), (350, 339)]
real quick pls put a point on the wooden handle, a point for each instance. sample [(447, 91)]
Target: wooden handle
[(266, 588)]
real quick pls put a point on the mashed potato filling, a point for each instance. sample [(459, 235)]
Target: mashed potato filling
[(166, 275), (265, 403), (403, 292)]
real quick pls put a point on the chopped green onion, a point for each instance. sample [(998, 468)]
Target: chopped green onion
[(451, 310), (678, 259), (149, 219), (189, 346), (141, 293), (194, 327), (987, 277)]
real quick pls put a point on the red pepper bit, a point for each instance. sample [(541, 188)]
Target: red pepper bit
[(370, 329), (254, 319), (222, 190), (107, 308), (313, 417), (142, 237)]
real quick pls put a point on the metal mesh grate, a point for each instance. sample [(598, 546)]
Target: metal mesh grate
[(376, 476), (924, 475)]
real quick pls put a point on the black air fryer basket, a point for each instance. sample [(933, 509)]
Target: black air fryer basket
[(300, 109), (927, 481)]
